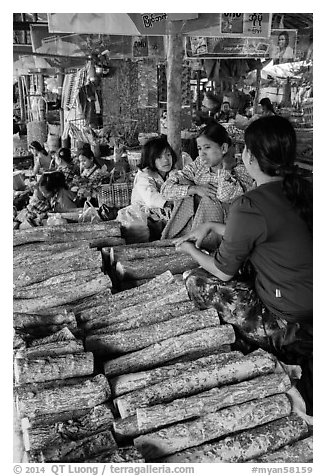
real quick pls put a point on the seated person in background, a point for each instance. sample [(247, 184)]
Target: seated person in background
[(42, 159), (209, 109), (64, 163), (204, 189), (91, 177), (267, 108), (157, 160), (271, 228), (225, 113), (50, 194)]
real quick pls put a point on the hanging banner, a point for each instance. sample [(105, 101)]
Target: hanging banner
[(208, 47), (131, 24)]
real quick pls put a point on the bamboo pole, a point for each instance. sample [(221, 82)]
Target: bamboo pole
[(258, 81)]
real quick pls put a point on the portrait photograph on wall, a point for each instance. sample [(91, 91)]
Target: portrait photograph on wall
[(282, 46)]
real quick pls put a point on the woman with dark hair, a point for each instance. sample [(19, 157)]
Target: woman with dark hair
[(64, 163), (267, 107), (91, 177), (42, 159), (157, 160), (204, 189), (282, 53), (269, 228), (51, 194)]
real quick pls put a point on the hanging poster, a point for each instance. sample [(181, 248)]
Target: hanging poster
[(256, 25), (282, 46), (148, 47), (226, 47)]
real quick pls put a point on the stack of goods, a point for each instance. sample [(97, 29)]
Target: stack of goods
[(143, 261), (50, 277), (181, 393), (305, 145), (63, 408)]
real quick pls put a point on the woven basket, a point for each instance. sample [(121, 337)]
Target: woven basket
[(115, 195)]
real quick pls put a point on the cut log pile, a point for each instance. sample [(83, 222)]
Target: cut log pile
[(170, 388), (54, 266), (64, 409), (138, 263)]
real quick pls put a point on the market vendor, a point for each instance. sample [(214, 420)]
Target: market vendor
[(91, 177), (225, 113), (209, 109), (203, 190), (269, 228), (50, 194), (64, 163), (42, 159)]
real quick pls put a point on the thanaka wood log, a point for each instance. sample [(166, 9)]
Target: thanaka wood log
[(157, 416), (23, 320), (69, 232), (62, 396), (21, 258), (130, 297), (33, 249), (75, 451), (56, 284), (134, 381), (121, 311), (50, 269), (68, 294), (231, 369), (151, 267), (98, 419), (298, 452), (247, 444), (147, 319), (53, 349), (130, 253), (42, 369), (209, 339), (136, 339), (102, 298), (212, 425), (121, 455)]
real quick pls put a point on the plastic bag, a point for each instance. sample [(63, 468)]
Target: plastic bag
[(89, 214), (133, 220), (56, 219)]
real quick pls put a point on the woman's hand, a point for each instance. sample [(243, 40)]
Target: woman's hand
[(195, 236), (185, 246), (208, 190)]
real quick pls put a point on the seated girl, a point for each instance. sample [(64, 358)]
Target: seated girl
[(271, 228), (157, 160), (64, 163), (91, 176), (204, 189), (42, 159), (50, 194)]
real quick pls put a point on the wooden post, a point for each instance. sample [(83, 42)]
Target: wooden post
[(198, 98), (60, 83), (174, 92), (258, 81), (21, 100)]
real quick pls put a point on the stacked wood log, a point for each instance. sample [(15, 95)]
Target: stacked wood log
[(106, 230), (50, 277), (137, 262), (64, 409)]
